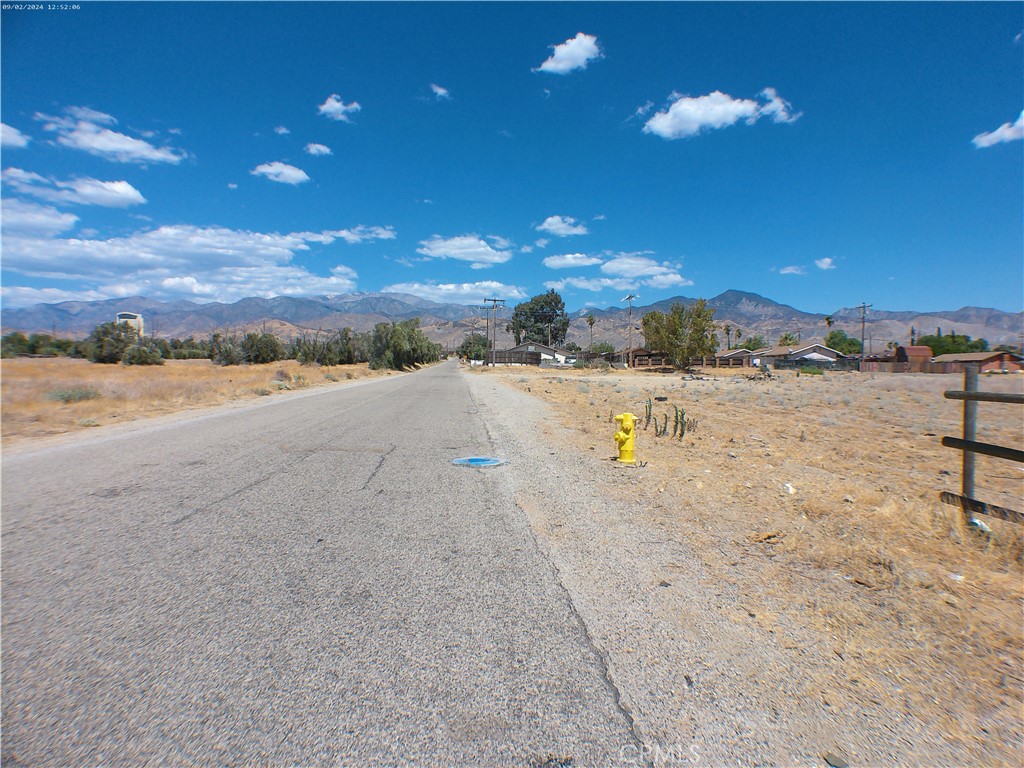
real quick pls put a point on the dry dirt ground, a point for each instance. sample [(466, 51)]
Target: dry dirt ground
[(43, 397), (812, 504)]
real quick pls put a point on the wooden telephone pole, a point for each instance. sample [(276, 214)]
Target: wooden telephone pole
[(863, 350), (494, 326)]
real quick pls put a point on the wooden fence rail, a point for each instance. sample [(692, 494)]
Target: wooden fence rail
[(971, 397)]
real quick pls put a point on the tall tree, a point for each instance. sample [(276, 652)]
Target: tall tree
[(682, 332), (474, 347), (840, 342), (788, 339), (541, 320)]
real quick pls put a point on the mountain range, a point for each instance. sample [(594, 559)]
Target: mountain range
[(448, 324)]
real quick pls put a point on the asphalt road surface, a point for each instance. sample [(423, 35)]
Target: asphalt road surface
[(301, 582)]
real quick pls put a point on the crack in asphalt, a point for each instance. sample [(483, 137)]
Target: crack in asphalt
[(604, 670), (377, 469)]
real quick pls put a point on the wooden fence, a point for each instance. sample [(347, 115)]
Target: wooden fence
[(502, 357), (970, 446)]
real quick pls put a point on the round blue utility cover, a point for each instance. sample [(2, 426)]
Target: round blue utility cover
[(477, 461)]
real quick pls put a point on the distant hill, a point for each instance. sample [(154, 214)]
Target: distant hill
[(449, 323)]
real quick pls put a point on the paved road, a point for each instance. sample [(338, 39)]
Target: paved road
[(306, 582)]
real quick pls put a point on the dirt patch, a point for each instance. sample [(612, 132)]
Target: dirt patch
[(812, 502), (44, 397)]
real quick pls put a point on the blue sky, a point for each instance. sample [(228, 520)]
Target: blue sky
[(818, 154)]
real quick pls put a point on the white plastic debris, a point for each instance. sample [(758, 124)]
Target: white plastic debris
[(789, 489), (980, 525)]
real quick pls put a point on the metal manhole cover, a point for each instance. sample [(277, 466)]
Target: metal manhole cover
[(477, 461)]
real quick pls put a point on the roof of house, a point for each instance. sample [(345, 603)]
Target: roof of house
[(738, 352), (525, 347), (971, 357), (786, 351)]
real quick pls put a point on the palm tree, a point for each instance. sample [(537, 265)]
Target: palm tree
[(788, 339), (728, 332)]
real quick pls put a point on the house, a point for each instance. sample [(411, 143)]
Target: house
[(811, 354), (133, 319), (987, 362), (737, 353), (531, 353)]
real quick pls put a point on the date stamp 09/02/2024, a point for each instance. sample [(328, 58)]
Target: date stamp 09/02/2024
[(40, 7)]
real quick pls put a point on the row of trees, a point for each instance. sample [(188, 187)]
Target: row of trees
[(389, 345)]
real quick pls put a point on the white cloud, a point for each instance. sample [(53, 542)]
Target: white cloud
[(91, 116), (360, 234), (12, 138), (777, 108), (22, 218), (592, 284), (458, 293), (570, 260), (794, 270), (281, 172), (667, 280), (563, 226), (1003, 133), (83, 131), (643, 109), (442, 94), (318, 149), (232, 185), (688, 116), (111, 194), (575, 53), (170, 261), (336, 109), (281, 130), (825, 263), (469, 248), (633, 265), (23, 296)]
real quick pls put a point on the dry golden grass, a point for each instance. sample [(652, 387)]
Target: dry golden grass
[(126, 393), (819, 496)]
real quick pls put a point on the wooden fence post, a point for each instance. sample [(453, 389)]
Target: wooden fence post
[(970, 428)]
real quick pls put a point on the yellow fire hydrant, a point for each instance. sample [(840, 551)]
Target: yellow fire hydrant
[(625, 437)]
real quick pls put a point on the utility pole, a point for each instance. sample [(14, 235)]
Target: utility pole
[(629, 342), (863, 313), (494, 324)]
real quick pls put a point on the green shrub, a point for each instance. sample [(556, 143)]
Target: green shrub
[(810, 370), (262, 348), (73, 394), (147, 355), (108, 342), (227, 351)]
